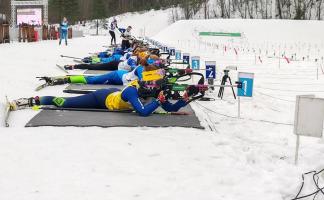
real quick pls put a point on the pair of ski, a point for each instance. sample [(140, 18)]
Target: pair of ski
[(8, 107), (67, 74), (7, 112), (111, 47), (75, 59), (44, 85)]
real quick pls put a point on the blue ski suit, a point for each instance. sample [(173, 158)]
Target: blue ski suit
[(114, 100)]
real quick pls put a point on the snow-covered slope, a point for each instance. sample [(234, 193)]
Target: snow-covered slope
[(148, 23), (247, 158), (144, 24), (277, 31)]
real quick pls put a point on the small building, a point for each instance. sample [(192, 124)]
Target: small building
[(3, 18)]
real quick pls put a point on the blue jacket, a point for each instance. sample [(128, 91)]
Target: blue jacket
[(130, 94), (64, 26), (112, 58)]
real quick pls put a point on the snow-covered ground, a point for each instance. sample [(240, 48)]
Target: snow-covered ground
[(247, 158), (147, 23)]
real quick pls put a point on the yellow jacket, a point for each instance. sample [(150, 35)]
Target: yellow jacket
[(114, 100)]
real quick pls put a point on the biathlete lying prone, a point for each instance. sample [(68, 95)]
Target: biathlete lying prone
[(132, 97), (127, 61), (117, 77)]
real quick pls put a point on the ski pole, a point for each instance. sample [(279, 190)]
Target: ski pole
[(63, 56)]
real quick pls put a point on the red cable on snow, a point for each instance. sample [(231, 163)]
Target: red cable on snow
[(285, 57)]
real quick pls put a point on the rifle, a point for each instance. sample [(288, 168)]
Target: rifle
[(172, 87)]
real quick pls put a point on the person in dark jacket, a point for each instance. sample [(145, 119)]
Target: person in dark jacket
[(112, 27)]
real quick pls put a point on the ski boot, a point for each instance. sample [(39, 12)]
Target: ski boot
[(85, 60), (69, 67), (59, 80), (24, 103)]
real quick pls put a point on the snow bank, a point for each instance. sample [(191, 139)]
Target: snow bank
[(278, 31), (148, 23), (143, 23)]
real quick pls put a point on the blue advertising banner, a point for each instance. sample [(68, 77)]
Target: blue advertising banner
[(247, 84), (195, 62), (210, 69), (172, 51), (178, 55), (186, 58)]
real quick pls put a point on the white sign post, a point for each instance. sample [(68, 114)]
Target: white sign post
[(309, 117), (186, 58), (195, 62), (172, 51), (210, 72), (247, 80), (177, 54)]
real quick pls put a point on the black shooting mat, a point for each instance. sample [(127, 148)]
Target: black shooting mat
[(85, 88), (62, 118)]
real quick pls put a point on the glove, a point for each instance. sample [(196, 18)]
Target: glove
[(185, 96), (192, 90), (161, 98), (188, 70)]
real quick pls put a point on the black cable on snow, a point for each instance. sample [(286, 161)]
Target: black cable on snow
[(315, 175)]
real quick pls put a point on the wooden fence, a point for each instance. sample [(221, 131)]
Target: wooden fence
[(4, 33)]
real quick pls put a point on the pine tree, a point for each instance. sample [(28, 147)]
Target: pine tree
[(71, 10), (64, 8), (98, 9), (55, 10)]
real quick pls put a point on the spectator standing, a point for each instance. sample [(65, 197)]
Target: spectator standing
[(126, 37), (64, 26), (112, 27)]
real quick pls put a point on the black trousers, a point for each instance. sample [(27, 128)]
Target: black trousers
[(125, 44), (113, 37), (111, 66)]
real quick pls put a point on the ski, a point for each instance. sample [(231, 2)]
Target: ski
[(172, 113), (50, 81), (75, 91), (207, 99), (41, 86), (85, 89), (78, 61), (63, 56), (62, 68), (111, 46), (7, 113)]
